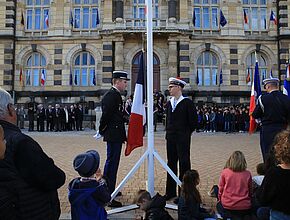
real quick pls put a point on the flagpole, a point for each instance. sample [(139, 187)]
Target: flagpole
[(150, 143)]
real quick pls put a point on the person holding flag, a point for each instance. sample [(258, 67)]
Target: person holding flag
[(112, 128), (273, 109), (181, 121)]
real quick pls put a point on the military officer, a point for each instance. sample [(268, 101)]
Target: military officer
[(113, 129), (273, 109)]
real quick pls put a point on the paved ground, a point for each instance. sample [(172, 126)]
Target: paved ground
[(209, 152)]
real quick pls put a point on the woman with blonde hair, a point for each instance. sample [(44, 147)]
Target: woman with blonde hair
[(235, 186), (275, 189)]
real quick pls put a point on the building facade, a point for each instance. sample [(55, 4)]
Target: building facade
[(65, 50)]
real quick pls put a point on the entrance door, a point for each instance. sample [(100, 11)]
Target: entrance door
[(156, 71)]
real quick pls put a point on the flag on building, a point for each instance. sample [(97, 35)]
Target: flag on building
[(76, 79), (193, 18), (286, 89), (137, 117), (42, 81), (21, 78), (221, 77), (245, 17), (197, 78), (255, 93), (94, 78), (71, 19), (273, 17), (271, 74), (22, 18), (248, 79), (47, 20), (97, 18), (70, 77), (223, 20)]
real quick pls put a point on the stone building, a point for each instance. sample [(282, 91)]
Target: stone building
[(65, 50)]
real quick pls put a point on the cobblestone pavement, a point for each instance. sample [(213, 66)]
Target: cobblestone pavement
[(209, 152)]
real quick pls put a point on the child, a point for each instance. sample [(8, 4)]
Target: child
[(154, 207), (189, 204), (2, 143), (275, 189), (88, 194), (235, 187), (257, 180)]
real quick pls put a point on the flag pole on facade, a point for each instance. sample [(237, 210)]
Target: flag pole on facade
[(286, 88)]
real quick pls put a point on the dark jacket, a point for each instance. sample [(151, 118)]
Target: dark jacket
[(191, 210), (156, 209), (88, 199), (112, 120), (29, 179)]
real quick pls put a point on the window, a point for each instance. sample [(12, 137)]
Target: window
[(139, 12), (37, 14), (207, 69), (206, 14), (35, 67), (86, 14), (84, 70), (262, 61), (256, 14)]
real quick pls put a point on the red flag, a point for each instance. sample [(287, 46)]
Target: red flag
[(255, 93), (20, 77), (248, 79), (137, 117), (245, 17), (42, 78)]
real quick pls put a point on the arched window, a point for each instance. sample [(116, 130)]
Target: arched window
[(262, 61), (207, 69), (37, 14), (84, 70), (86, 14), (255, 14), (205, 14), (35, 67)]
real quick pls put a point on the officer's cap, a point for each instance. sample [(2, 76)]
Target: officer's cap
[(118, 74), (270, 80), (177, 81)]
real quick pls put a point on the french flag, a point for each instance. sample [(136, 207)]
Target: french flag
[(42, 81), (286, 89), (47, 20), (255, 93), (273, 17), (138, 116), (245, 17)]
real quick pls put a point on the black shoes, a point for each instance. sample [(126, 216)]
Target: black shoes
[(115, 204)]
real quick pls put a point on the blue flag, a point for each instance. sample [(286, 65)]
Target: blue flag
[(197, 78), (71, 19), (70, 78), (221, 77), (286, 89), (223, 20), (76, 79), (271, 74), (257, 84), (193, 18), (94, 78), (97, 18)]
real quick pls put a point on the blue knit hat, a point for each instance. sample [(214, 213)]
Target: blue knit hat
[(87, 164)]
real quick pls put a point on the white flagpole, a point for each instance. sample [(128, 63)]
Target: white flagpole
[(150, 143)]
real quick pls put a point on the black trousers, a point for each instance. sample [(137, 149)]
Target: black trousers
[(178, 151)]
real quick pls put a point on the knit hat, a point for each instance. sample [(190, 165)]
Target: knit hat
[(87, 164)]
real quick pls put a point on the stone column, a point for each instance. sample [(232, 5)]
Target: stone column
[(172, 54), (119, 55), (107, 11)]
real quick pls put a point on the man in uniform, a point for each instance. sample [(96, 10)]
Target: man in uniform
[(273, 109), (113, 129), (181, 121)]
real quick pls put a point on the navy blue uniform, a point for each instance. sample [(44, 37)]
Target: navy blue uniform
[(274, 113), (113, 129)]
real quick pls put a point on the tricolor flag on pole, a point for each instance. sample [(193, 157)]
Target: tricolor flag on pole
[(42, 81), (47, 20), (286, 89), (255, 93), (137, 117), (20, 78), (221, 77), (248, 79), (245, 17), (273, 17)]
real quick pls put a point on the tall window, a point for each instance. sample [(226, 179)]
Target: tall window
[(207, 69), (256, 12), (86, 14), (262, 61), (35, 66), (84, 70), (37, 14), (206, 14), (139, 12)]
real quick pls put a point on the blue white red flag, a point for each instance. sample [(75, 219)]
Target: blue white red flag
[(138, 114), (286, 89), (42, 81), (273, 17)]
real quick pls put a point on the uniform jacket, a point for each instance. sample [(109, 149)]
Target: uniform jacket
[(112, 120), (29, 179), (276, 109)]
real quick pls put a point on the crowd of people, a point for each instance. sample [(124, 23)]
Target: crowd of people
[(53, 118)]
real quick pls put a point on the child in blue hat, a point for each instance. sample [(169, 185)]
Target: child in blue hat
[(88, 194)]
